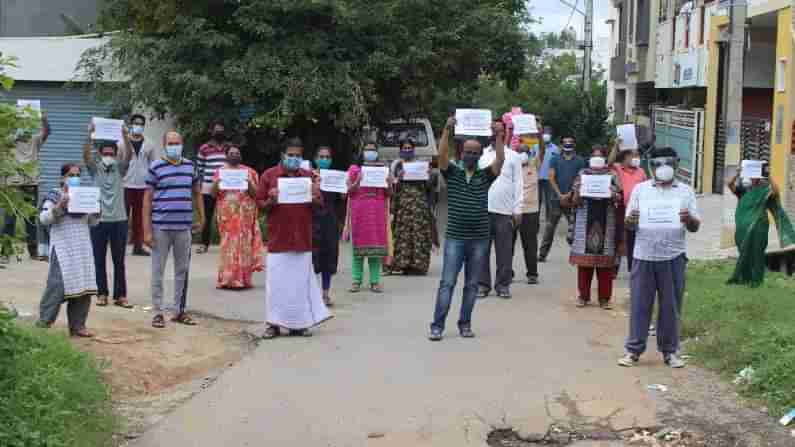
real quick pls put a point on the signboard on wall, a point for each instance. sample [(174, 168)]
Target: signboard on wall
[(689, 69)]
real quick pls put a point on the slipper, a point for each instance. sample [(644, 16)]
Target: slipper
[(355, 288), (102, 301), (202, 250), (123, 303), (185, 319), (158, 321), (271, 332), (81, 333), (376, 288)]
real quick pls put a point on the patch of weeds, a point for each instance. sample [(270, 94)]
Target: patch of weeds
[(51, 394), (730, 327)]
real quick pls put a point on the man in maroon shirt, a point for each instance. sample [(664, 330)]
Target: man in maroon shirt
[(294, 301)]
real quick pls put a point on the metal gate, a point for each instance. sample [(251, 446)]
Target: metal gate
[(683, 130), (754, 144)]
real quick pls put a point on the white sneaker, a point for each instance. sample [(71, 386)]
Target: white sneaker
[(674, 361), (629, 360)]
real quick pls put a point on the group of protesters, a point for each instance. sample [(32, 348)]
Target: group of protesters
[(153, 197)]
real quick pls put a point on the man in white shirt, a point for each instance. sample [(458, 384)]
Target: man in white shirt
[(505, 210), (660, 257), (143, 154)]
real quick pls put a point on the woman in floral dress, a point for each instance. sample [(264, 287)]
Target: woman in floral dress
[(241, 239)]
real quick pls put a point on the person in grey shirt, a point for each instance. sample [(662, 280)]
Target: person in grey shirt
[(108, 168)]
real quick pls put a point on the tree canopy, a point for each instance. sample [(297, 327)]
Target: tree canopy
[(300, 63)]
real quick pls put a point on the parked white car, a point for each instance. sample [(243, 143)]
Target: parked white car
[(389, 136)]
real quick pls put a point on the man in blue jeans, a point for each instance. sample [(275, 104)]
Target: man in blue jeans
[(468, 234)]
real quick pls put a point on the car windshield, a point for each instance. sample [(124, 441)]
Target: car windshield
[(392, 134)]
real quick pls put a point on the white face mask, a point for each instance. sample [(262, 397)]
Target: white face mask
[(597, 162), (635, 162), (664, 173), (547, 138), (108, 160)]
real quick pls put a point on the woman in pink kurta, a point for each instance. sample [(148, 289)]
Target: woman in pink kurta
[(368, 223), (241, 239)]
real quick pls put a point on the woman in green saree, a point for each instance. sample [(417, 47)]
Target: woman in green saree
[(757, 198)]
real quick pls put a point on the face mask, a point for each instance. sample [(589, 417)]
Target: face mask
[(746, 182), (233, 160), (73, 181), (407, 155), (523, 158), (597, 162), (370, 156), (547, 138), (635, 162), (137, 130), (293, 163), (107, 160), (470, 160), (174, 152), (664, 173), (568, 147), (323, 163)]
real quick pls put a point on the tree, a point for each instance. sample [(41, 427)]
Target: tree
[(12, 200), (305, 66)]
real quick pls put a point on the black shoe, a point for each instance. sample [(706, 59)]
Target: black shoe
[(542, 258), (140, 252), (466, 332), (483, 292), (532, 280), (505, 294)]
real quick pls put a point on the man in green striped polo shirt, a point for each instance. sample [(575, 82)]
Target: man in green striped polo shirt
[(467, 238)]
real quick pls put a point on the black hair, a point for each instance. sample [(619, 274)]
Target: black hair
[(408, 141), (622, 155), (293, 142), (137, 116), (600, 148), (324, 147), (214, 123), (369, 142), (229, 146), (66, 167), (102, 144), (659, 152)]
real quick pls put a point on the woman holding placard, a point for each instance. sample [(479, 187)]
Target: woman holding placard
[(596, 195), (412, 224), (368, 217), (325, 232), (241, 239)]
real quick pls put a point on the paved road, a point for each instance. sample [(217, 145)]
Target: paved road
[(371, 370)]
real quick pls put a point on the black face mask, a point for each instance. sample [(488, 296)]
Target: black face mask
[(218, 136), (470, 160), (234, 161)]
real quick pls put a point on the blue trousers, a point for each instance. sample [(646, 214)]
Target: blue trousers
[(649, 280), (469, 255)]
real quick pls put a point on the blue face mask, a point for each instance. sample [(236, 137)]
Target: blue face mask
[(370, 155), (293, 163), (323, 163), (174, 152), (73, 181)]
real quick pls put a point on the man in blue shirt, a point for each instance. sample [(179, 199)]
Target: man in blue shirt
[(550, 151), (562, 171)]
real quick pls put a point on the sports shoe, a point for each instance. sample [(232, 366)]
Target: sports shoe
[(532, 280), (629, 360), (505, 294), (674, 361), (483, 292), (466, 332), (435, 335)]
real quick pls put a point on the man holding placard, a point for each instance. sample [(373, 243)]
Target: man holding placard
[(108, 167), (288, 194), (468, 225), (663, 210)]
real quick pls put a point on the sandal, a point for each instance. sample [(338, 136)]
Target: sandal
[(300, 333), (376, 288), (102, 301), (158, 321), (271, 332), (355, 288), (605, 304), (185, 319), (81, 333), (202, 250), (123, 303)]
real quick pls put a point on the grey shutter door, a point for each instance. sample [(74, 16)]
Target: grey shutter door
[(69, 110)]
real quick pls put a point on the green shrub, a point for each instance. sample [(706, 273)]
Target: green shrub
[(732, 327), (51, 395)]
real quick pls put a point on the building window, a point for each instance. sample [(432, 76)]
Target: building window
[(686, 41), (702, 13), (631, 29)]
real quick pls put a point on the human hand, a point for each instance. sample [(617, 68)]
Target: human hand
[(273, 193), (498, 127), (451, 122), (91, 129), (63, 203), (148, 238), (634, 217), (197, 227), (684, 216)]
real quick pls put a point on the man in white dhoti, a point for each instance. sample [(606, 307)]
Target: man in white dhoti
[(295, 300)]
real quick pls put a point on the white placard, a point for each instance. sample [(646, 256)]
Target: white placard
[(295, 190), (83, 200), (374, 176), (524, 124), (233, 179), (595, 186), (660, 214), (332, 180), (306, 165), (474, 122), (108, 129), (415, 170), (34, 104), (753, 169), (626, 132)]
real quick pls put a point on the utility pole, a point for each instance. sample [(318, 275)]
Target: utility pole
[(588, 44), (733, 102)]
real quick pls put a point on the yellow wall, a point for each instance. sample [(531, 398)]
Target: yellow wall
[(711, 107), (779, 157)]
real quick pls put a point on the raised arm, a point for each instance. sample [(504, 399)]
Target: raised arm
[(45, 127), (732, 184), (88, 157), (444, 144), (499, 147)]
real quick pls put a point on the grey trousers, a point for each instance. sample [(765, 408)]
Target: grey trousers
[(650, 279), (501, 228), (53, 296), (165, 241), (554, 211)]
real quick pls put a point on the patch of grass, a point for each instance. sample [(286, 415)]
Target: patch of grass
[(731, 327), (51, 394)]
